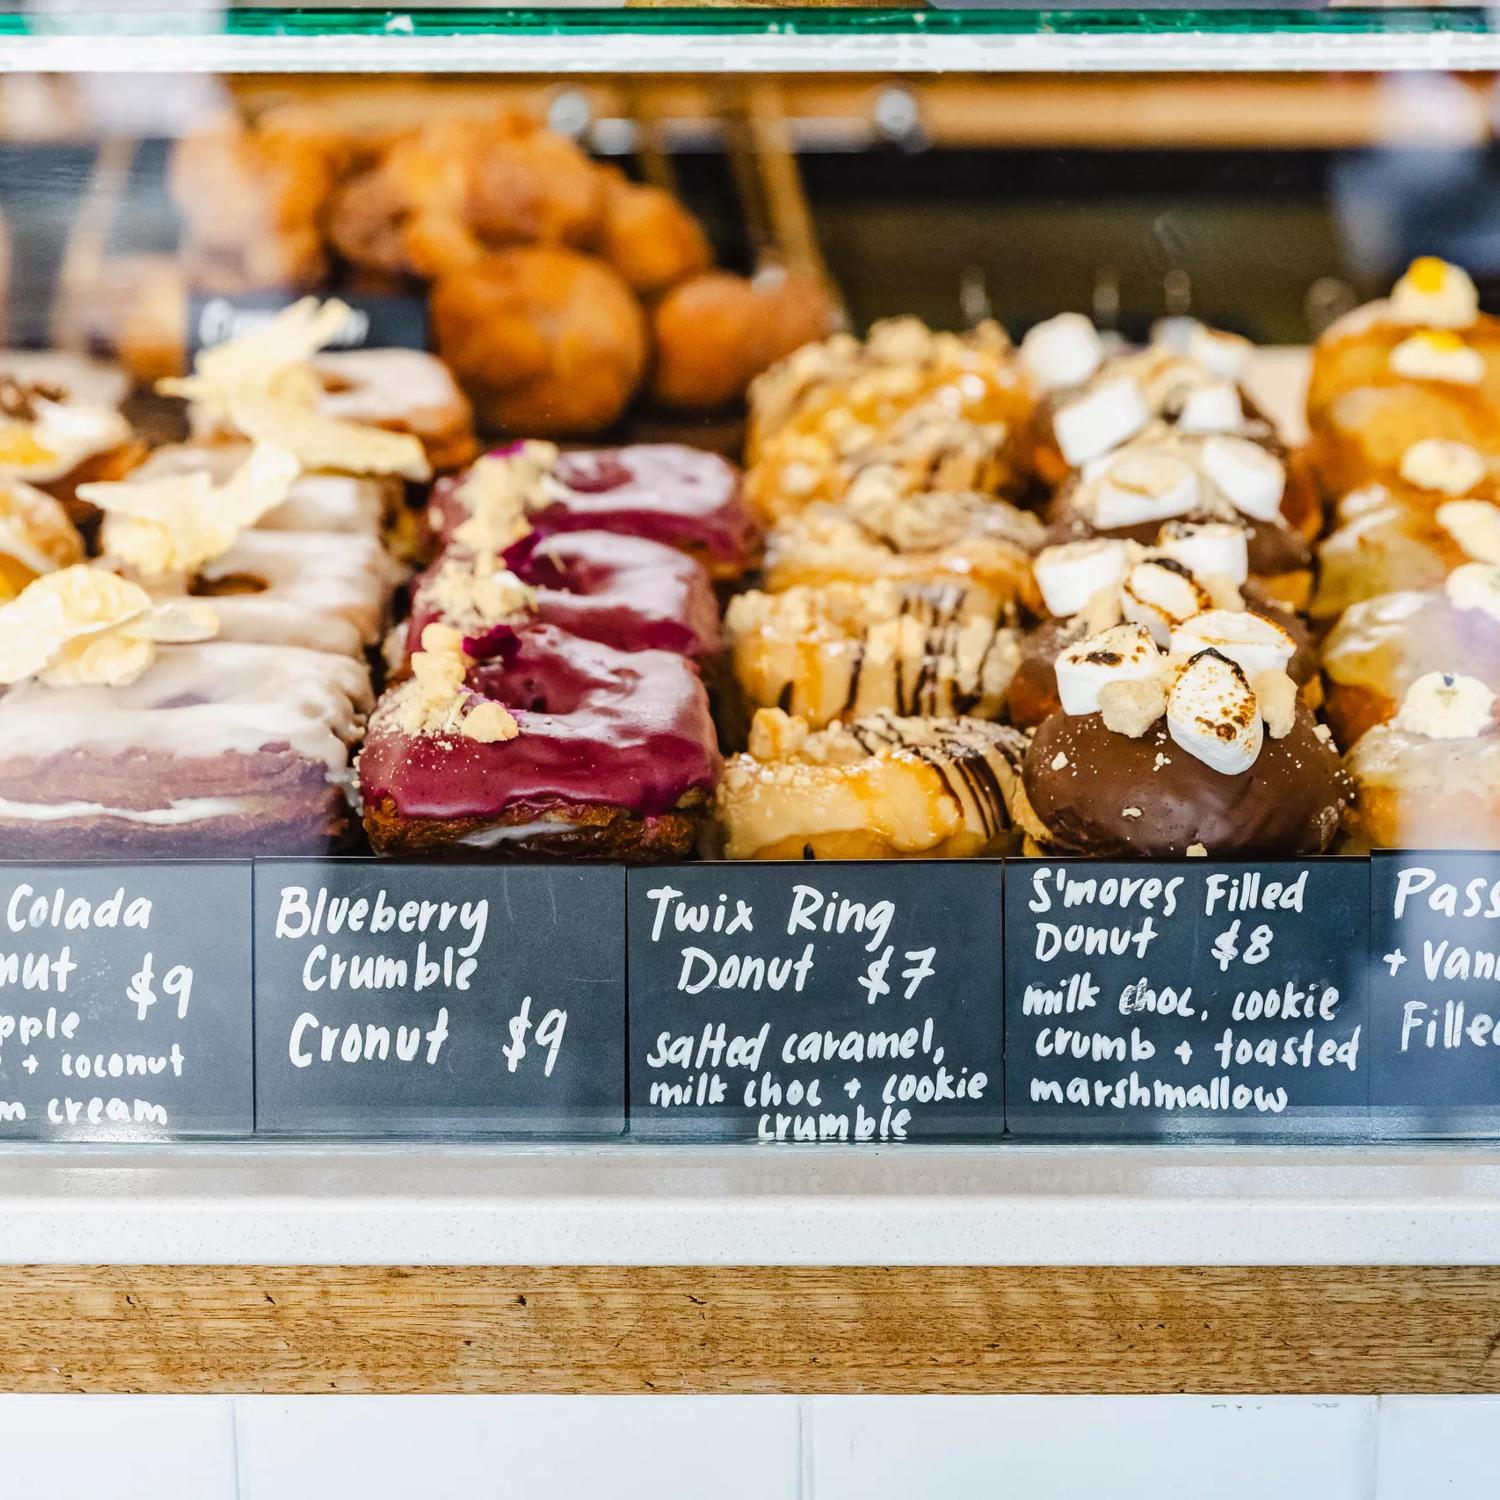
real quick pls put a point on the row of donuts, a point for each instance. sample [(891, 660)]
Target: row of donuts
[(1155, 629)]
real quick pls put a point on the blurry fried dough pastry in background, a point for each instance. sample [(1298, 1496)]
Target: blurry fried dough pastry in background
[(1423, 363), (716, 332), (940, 411), (36, 536), (548, 342), (253, 200), (648, 236)]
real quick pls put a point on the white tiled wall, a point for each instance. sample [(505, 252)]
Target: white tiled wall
[(748, 1448)]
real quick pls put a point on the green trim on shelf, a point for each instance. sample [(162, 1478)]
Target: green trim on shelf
[(448, 22)]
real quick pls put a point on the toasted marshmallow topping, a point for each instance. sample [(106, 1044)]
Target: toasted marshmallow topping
[(1254, 642), (1213, 715), (1475, 585), (1211, 407), (1474, 525), (1445, 706), (1099, 420), (84, 626), (1143, 485), (62, 435), (1251, 479), (436, 700), (1435, 294), (1072, 574), (1447, 468), (1226, 355), (1124, 653), (1208, 549), (1160, 595), (1062, 352), (179, 522), (1438, 354)]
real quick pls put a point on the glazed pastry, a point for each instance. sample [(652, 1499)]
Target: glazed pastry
[(68, 378), (1429, 778), (399, 390), (1153, 756), (551, 746), (881, 787), (942, 411), (36, 536), (1163, 477), (1381, 646), (1190, 591), (54, 440), (881, 533), (1387, 547), (1422, 364), (265, 386), (714, 333), (341, 503), (847, 650), (185, 535), (546, 341), (622, 591), (682, 497), (115, 739)]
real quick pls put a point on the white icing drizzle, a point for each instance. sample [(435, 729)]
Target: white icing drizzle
[(201, 701), (173, 815), (385, 385)]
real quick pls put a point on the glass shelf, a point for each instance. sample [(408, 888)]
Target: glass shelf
[(471, 39)]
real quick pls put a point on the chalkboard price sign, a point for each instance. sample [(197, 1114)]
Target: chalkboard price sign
[(1186, 999), (815, 1002), (124, 1001), (1435, 992), (375, 321), (439, 999)]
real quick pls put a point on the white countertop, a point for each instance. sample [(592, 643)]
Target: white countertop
[(633, 1205)]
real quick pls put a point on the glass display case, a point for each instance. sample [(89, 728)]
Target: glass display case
[(584, 590)]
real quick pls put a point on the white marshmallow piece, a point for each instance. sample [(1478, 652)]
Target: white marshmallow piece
[(1062, 352), (1475, 585), (1208, 549), (1212, 713), (1251, 479), (1255, 643), (1073, 573), (1160, 597), (1435, 294), (1123, 653), (1144, 485), (1211, 407), (1437, 354), (1101, 419), (1443, 467), (1226, 355), (1474, 525), (1446, 706)]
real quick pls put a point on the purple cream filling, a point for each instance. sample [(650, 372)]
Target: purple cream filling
[(625, 729)]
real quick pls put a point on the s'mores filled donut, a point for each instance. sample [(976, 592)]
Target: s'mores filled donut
[(550, 746), (1158, 478), (941, 411), (678, 496), (879, 787), (1190, 589), (1422, 364), (1429, 778), (1208, 750), (125, 731)]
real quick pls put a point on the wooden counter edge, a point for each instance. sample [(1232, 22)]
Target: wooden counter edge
[(709, 1329)]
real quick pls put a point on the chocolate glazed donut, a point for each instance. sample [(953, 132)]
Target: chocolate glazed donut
[(1104, 794)]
